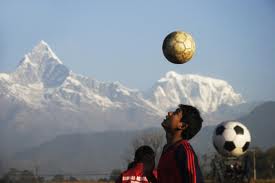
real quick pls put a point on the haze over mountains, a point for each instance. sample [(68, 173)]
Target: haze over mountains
[(104, 151), (43, 99)]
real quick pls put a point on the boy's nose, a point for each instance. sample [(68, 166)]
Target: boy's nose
[(170, 113)]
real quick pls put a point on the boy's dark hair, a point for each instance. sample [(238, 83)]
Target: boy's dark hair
[(190, 116), (141, 155), (142, 152)]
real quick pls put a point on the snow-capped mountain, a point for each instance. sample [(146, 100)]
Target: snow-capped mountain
[(208, 94), (43, 98), (41, 65), (41, 78)]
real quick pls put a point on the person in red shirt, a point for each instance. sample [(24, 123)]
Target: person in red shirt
[(178, 162), (142, 166)]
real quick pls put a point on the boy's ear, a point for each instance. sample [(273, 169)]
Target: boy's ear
[(182, 126)]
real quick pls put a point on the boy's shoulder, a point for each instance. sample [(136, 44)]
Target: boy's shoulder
[(184, 147), (184, 143)]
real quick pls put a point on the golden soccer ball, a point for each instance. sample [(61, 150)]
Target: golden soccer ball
[(178, 47)]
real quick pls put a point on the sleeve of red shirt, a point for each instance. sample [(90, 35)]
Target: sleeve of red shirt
[(187, 164), (119, 179)]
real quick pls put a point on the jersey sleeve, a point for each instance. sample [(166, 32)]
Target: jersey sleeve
[(187, 164), (119, 179)]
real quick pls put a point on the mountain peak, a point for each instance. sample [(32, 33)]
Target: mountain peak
[(43, 42), (42, 45), (174, 77), (41, 65), (172, 74), (43, 49), (204, 92)]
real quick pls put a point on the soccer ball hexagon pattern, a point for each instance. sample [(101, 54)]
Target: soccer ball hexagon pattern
[(231, 138), (178, 47)]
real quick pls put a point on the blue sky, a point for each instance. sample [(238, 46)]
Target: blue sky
[(121, 40)]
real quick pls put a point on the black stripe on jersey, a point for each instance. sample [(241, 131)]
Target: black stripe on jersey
[(187, 164), (182, 161)]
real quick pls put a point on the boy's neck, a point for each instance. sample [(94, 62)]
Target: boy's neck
[(173, 138)]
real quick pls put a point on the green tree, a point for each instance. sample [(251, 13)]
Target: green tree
[(16, 176), (13, 175), (27, 176)]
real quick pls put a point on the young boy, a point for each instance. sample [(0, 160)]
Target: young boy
[(142, 166), (178, 162)]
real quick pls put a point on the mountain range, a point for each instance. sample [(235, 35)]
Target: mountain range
[(43, 98)]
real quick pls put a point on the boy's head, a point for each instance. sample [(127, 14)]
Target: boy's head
[(143, 153), (186, 119), (146, 155)]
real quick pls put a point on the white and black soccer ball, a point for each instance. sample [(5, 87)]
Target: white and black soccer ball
[(231, 138)]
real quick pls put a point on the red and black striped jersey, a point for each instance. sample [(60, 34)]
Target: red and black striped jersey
[(179, 164)]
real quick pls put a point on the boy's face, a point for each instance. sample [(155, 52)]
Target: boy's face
[(172, 122)]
